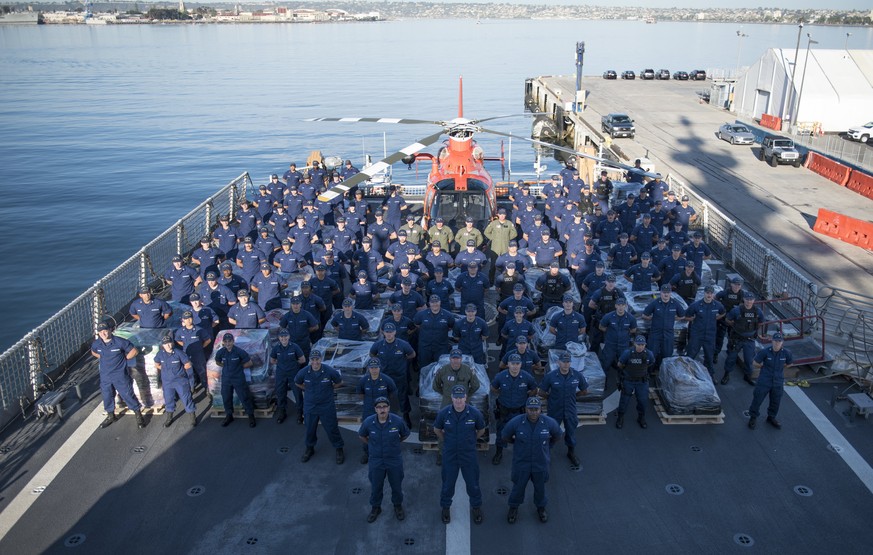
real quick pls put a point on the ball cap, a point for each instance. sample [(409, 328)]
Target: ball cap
[(646, 255), (455, 354), (103, 326), (513, 243), (515, 357), (227, 337), (144, 289), (296, 299), (666, 289), (520, 339), (534, 403), (517, 286), (459, 392), (389, 327), (471, 243), (348, 302), (709, 289), (243, 293), (677, 247), (381, 401), (621, 300), (315, 354), (205, 239), (737, 279), (565, 357), (187, 314), (778, 336), (265, 266), (684, 198), (194, 297), (610, 277), (436, 244), (469, 219), (567, 297), (434, 298), (167, 339), (749, 296), (284, 333), (470, 308), (374, 363), (640, 340), (519, 310), (689, 264), (177, 258), (438, 270)]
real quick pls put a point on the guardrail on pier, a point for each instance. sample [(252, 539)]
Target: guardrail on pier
[(59, 341)]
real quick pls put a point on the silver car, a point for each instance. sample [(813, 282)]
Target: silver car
[(736, 134)]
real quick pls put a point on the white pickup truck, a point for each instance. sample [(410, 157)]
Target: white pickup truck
[(861, 133)]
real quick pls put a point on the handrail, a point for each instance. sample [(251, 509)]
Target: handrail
[(788, 338)]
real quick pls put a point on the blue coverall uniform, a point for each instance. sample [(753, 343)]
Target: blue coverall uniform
[(469, 336), (175, 380), (395, 365), (742, 337), (192, 343), (702, 331), (287, 365), (233, 378), (383, 386), (617, 337), (386, 458), (319, 404), (531, 456), (770, 380), (433, 335), (568, 327), (562, 389), (636, 367), (459, 452), (114, 373), (512, 394), (182, 282), (661, 334)]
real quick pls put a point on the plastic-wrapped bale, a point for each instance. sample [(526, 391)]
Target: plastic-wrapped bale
[(686, 387), (531, 275), (589, 364), (374, 318), (626, 286), (430, 402), (274, 316), (637, 303), (175, 319), (293, 281), (543, 339), (255, 342), (146, 378)]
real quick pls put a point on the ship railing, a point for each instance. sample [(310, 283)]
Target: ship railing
[(27, 368)]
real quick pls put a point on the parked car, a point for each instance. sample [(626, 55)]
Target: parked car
[(647, 74), (697, 75), (736, 134), (663, 74), (680, 76), (610, 74), (779, 150), (861, 133), (628, 74), (617, 125)]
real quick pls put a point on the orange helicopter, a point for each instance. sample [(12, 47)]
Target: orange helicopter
[(458, 185)]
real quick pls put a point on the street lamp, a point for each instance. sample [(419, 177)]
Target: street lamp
[(741, 35), (794, 69), (803, 77)]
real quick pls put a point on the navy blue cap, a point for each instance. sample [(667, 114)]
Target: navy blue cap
[(520, 339), (194, 297), (778, 336), (227, 337), (518, 287), (459, 391), (348, 302), (515, 357), (315, 354), (381, 401), (565, 357), (374, 363), (389, 327), (749, 295), (666, 289), (640, 340), (455, 354), (534, 403)]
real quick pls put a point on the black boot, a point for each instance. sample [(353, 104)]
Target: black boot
[(498, 456), (307, 454), (340, 456), (619, 422), (574, 460), (399, 513), (110, 418), (140, 421), (227, 420), (774, 422), (252, 422), (642, 421), (544, 516), (752, 423), (374, 514), (407, 420), (193, 417), (478, 515), (726, 378), (512, 515), (281, 416), (168, 420)]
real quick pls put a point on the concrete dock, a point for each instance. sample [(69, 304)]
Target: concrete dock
[(677, 132)]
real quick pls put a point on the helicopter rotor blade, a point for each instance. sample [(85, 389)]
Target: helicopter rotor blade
[(526, 114), (379, 166), (377, 120), (617, 165)]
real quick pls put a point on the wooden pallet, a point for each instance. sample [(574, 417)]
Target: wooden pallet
[(592, 419), (434, 446), (239, 413), (349, 419), (154, 411), (667, 418)]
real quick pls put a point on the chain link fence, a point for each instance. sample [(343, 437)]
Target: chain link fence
[(62, 338)]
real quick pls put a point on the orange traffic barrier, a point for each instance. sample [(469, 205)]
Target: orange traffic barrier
[(825, 167), (771, 122), (861, 183), (846, 229)]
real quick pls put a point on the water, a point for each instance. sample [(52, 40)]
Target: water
[(109, 134)]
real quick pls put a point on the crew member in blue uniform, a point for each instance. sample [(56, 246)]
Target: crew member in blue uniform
[(292, 176), (729, 298), (348, 323), (532, 434), (660, 252), (245, 314), (567, 325), (249, 260), (402, 325), (514, 327), (743, 321), (470, 255), (628, 212), (204, 317), (325, 287), (247, 219), (226, 236), (268, 285), (394, 355), (562, 387), (602, 302), (697, 251), (547, 251), (472, 286), (364, 292), (381, 232), (288, 358), (705, 315), (608, 230), (433, 326), (318, 381), (588, 285), (553, 285), (672, 265), (636, 364), (300, 324), (772, 361), (644, 274), (113, 354), (150, 312), (183, 280), (194, 342), (622, 255), (229, 279), (267, 243), (663, 313), (512, 386), (471, 332), (410, 301), (382, 435), (440, 287), (233, 361), (373, 385), (459, 426), (617, 327), (684, 213), (516, 297), (177, 378), (644, 235), (530, 360), (438, 258), (206, 257), (512, 255)]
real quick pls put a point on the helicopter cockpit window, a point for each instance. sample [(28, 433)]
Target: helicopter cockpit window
[(455, 207)]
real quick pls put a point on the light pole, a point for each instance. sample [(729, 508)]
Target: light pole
[(847, 40), (741, 35), (803, 77), (793, 70)]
